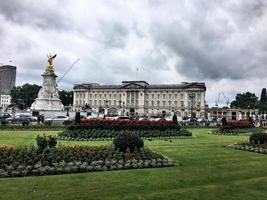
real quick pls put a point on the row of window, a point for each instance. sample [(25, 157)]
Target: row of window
[(128, 103), (118, 96)]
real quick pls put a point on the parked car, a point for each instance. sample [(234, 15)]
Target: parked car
[(20, 119), (121, 118), (4, 116), (56, 119), (154, 118)]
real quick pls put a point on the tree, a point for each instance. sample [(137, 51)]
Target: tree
[(245, 100), (263, 98), (23, 96), (66, 97), (262, 104)]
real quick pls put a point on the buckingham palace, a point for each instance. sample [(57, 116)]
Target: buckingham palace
[(139, 97)]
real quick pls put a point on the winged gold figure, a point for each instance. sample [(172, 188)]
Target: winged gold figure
[(50, 67)]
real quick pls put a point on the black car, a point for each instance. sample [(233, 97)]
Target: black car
[(4, 116), (20, 119)]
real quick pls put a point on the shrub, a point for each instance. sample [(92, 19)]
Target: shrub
[(41, 142), (25, 123), (51, 141), (48, 123), (44, 142), (67, 122), (258, 138), (4, 123), (128, 140)]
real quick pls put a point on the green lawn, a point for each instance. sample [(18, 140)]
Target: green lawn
[(206, 170)]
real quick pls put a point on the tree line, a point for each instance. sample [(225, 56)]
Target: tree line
[(249, 100)]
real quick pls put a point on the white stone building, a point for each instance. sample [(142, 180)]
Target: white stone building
[(5, 100), (142, 98)]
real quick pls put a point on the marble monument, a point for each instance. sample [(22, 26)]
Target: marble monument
[(48, 97)]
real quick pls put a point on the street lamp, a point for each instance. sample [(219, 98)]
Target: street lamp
[(192, 98), (123, 107)]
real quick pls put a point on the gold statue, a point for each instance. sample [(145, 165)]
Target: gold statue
[(50, 67)]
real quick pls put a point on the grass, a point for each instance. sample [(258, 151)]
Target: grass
[(205, 170)]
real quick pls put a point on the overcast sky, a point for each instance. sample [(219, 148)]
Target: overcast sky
[(221, 43)]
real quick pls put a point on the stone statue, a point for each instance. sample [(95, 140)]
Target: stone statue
[(50, 67), (48, 97)]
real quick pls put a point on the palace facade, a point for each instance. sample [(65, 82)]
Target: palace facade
[(140, 97)]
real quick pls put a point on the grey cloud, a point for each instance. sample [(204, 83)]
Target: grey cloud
[(203, 40), (114, 34), (204, 48), (34, 14)]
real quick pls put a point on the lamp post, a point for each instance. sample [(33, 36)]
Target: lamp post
[(123, 107), (192, 98)]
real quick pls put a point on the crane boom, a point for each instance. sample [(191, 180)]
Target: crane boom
[(67, 71), (218, 99)]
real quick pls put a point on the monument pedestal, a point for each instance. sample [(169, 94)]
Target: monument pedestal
[(48, 97)]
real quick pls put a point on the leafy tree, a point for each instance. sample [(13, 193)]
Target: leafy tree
[(245, 100), (66, 97), (24, 95), (262, 104), (263, 98)]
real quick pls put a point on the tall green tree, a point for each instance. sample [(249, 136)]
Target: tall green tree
[(66, 97), (245, 100), (24, 95), (262, 104), (263, 98)]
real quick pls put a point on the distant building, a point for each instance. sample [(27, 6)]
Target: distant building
[(185, 99), (7, 78), (7, 83), (5, 100), (232, 113)]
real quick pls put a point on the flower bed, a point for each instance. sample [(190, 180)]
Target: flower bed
[(246, 146), (236, 131), (106, 134), (235, 127), (30, 161), (125, 125)]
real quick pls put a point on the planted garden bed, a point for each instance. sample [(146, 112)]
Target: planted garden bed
[(235, 128), (246, 146), (127, 152), (108, 129), (30, 162), (257, 143), (86, 134)]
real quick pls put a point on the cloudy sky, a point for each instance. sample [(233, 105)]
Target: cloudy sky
[(221, 43)]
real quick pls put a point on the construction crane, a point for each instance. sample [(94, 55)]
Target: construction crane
[(225, 98), (67, 71)]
